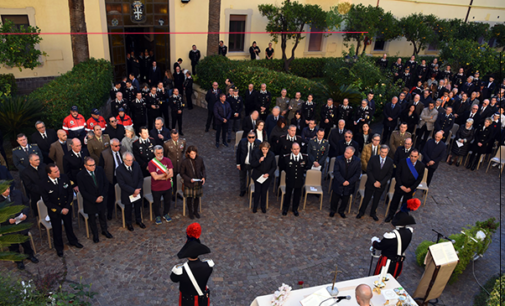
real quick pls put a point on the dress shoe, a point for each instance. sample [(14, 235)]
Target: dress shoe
[(242, 193), (469, 166), (59, 253), (332, 214), (77, 245), (33, 259), (388, 219), (197, 215), (359, 216), (342, 215), (296, 213), (107, 234), (254, 210), (96, 240), (225, 144), (21, 265), (473, 167), (457, 163), (129, 227), (179, 196), (284, 213), (141, 225), (375, 218), (264, 211), (450, 162)]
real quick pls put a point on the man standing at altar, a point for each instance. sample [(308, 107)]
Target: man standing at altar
[(363, 295)]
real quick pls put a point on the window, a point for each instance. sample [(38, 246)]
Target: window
[(237, 24), (18, 20), (315, 40), (432, 47), (379, 44)]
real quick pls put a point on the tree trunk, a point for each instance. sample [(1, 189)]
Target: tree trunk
[(358, 45), (415, 48), (80, 48), (214, 22), (364, 46)]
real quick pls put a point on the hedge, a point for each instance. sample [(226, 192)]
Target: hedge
[(219, 68), (302, 67), (8, 86), (87, 86)]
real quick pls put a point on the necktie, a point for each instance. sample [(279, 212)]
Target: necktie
[(392, 106), (8, 198), (471, 115), (340, 132), (78, 155), (250, 149), (26, 150), (94, 178), (129, 169), (55, 182), (254, 122), (44, 136), (382, 162), (118, 159)]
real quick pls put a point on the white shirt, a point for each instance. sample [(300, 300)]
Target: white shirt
[(296, 157), (77, 154), (43, 135), (55, 181), (259, 135), (249, 148)]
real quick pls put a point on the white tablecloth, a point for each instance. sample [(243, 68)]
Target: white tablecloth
[(345, 288)]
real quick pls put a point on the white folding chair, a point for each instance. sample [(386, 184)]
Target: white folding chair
[(117, 189), (424, 186), (282, 187), (330, 171), (42, 209), (32, 243), (238, 137), (277, 171), (450, 140), (361, 190), (148, 196), (313, 180), (498, 158), (82, 214), (251, 191)]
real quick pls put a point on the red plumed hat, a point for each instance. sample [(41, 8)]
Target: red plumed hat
[(194, 230), (413, 204)]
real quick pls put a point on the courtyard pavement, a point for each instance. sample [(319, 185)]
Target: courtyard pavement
[(255, 253)]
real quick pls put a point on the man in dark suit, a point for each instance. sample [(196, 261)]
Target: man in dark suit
[(402, 152), (250, 99), (406, 181), (295, 165), (93, 190), (212, 97), (160, 134), (32, 177), (485, 111), (346, 142), (468, 87), (272, 119), (17, 198), (433, 153), (59, 148), (336, 135), (130, 180), (379, 171), (114, 130), (286, 142), (222, 114), (346, 173), (44, 138), (445, 122), (134, 81), (309, 132), (57, 195), (489, 88), (143, 150), (244, 153), (249, 123), (391, 113), (473, 113), (155, 75), (110, 160), (73, 162)]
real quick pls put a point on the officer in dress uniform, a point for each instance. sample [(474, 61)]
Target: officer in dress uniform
[(20, 154), (193, 275), (345, 113), (236, 105), (139, 112), (263, 100), (421, 72), (143, 150), (363, 115), (117, 88), (308, 109), (177, 105), (118, 103), (174, 149), (328, 117), (286, 143), (296, 164), (283, 102), (411, 64), (394, 244), (317, 150), (130, 93), (153, 107)]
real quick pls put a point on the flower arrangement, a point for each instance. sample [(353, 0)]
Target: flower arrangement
[(281, 295)]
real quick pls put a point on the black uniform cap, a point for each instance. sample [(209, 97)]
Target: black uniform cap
[(193, 249), (402, 219)]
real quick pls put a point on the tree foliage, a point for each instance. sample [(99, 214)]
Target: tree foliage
[(419, 30), (449, 29), (288, 22), (20, 50), (498, 33), (470, 55)]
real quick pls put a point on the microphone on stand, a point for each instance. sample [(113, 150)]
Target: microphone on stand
[(340, 298), (445, 237)]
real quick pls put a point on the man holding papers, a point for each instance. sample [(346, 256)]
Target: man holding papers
[(130, 179), (161, 170)]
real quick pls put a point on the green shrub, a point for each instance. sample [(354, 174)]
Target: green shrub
[(87, 86), (497, 297), (8, 86), (309, 67), (482, 299), (18, 115)]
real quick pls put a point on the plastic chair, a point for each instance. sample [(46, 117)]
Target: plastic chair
[(84, 215), (330, 171), (277, 171), (313, 179), (498, 158), (251, 191), (424, 186), (238, 137), (361, 190), (179, 191), (117, 189), (450, 140), (148, 196), (282, 187), (32, 243), (390, 193), (42, 209)]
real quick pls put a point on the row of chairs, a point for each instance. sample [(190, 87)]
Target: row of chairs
[(42, 208)]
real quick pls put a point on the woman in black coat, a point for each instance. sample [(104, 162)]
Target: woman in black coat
[(264, 165), (464, 136), (280, 129), (363, 137), (188, 89), (410, 117), (482, 140), (298, 122), (193, 175)]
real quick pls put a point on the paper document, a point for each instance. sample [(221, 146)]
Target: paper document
[(197, 180), (261, 179), (318, 298), (133, 199), (316, 168), (313, 189), (459, 144), (18, 218)]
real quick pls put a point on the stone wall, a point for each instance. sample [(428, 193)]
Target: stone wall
[(28, 85)]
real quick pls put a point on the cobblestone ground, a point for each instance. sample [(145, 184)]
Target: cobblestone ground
[(256, 253)]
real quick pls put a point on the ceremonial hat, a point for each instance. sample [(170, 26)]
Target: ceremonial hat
[(73, 109), (193, 249), (193, 231), (402, 219), (411, 205)]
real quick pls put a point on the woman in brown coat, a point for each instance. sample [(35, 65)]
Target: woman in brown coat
[(193, 176)]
